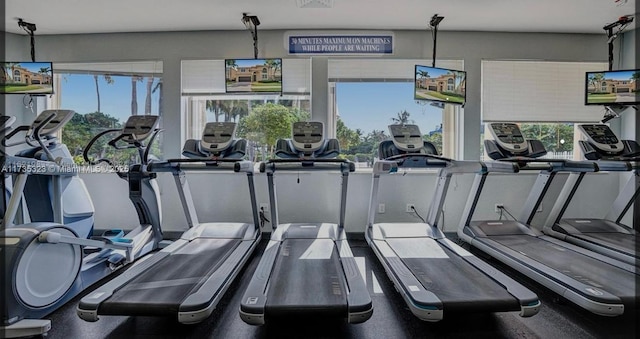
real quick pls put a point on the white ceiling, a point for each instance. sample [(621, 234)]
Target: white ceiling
[(102, 16)]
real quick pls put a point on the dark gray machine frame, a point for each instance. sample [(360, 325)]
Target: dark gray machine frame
[(425, 247), (162, 277), (608, 235), (283, 283), (592, 281)]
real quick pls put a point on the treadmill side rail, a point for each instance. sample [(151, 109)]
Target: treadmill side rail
[(199, 305), (360, 307), (252, 307)]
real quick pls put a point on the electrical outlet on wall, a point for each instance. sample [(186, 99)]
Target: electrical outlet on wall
[(411, 208), (381, 208), (498, 207), (264, 207)]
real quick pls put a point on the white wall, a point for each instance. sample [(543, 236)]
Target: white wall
[(109, 194), (224, 197)]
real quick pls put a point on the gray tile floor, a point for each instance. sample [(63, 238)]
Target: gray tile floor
[(391, 318)]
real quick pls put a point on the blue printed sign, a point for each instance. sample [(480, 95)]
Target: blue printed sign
[(340, 44)]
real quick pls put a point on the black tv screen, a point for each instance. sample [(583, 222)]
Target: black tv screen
[(26, 78), (440, 85), (253, 75), (612, 87)]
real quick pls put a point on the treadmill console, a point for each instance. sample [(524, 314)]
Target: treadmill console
[(307, 136), (7, 121), (602, 137), (139, 127), (62, 116), (406, 137), (508, 136), (217, 136)]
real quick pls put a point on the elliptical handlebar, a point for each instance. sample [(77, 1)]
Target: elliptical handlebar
[(85, 152), (143, 150), (33, 133)]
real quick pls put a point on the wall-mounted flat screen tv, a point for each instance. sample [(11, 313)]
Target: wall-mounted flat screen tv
[(26, 78), (612, 87), (440, 85), (253, 75)]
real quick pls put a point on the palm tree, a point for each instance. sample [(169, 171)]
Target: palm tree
[(218, 108), (238, 109), (43, 71), (231, 64), (275, 65), (8, 68), (402, 118), (636, 77), (158, 88), (422, 75), (147, 101), (134, 94), (595, 79), (108, 80)]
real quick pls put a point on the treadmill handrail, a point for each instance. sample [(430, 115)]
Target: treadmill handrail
[(196, 164), (342, 165), (552, 165), (614, 165), (500, 167), (448, 166)]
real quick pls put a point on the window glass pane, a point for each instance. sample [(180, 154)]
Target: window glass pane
[(365, 109), (105, 101), (261, 119)]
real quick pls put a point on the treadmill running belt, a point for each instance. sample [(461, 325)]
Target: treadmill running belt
[(621, 240), (585, 269), (161, 289), (307, 278), (459, 285)]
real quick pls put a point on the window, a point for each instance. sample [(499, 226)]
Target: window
[(104, 95), (367, 95), (261, 118), (545, 97)]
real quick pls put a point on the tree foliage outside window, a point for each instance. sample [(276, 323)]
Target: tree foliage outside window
[(267, 123), (556, 137), (363, 148), (102, 102)]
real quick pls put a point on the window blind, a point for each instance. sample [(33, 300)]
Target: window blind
[(537, 91), (144, 68), (353, 70)]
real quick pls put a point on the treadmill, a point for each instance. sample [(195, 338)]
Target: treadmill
[(433, 274), (597, 283), (607, 236), (307, 269), (188, 278)]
